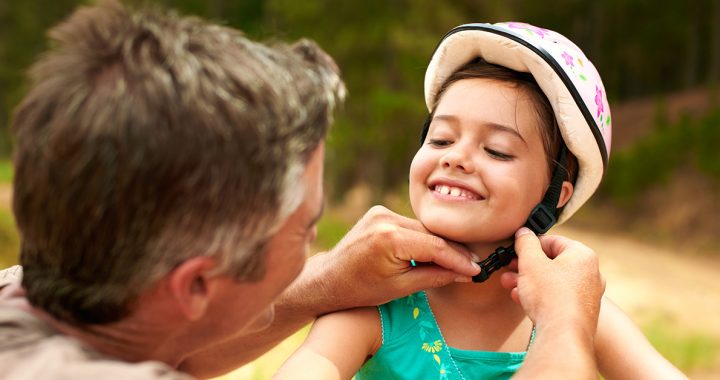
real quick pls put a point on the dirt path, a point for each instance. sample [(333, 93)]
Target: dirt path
[(654, 284), (647, 281), (5, 195)]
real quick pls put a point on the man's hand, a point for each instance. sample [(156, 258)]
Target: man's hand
[(559, 285), (558, 278), (371, 265)]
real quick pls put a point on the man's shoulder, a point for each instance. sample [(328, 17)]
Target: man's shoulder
[(43, 364), (60, 358), (10, 275), (29, 349)]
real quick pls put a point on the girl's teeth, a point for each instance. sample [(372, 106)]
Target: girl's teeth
[(452, 191)]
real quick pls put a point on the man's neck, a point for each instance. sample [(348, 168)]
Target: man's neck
[(133, 339)]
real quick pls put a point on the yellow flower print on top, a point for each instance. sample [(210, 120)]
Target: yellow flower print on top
[(433, 347)]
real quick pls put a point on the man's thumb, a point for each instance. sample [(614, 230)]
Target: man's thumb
[(526, 243)]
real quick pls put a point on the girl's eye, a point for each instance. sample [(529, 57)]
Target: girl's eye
[(499, 155), (439, 143)]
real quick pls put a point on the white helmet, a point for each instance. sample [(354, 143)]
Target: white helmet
[(568, 79)]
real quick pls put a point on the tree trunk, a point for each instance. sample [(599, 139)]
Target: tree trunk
[(714, 48)]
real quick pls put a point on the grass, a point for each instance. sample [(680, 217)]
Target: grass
[(331, 229), (9, 239), (265, 366), (688, 350), (6, 171)]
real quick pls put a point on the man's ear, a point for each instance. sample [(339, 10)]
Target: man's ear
[(189, 286), (565, 193)]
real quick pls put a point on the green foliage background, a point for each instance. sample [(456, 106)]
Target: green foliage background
[(689, 142), (383, 47), (643, 48)]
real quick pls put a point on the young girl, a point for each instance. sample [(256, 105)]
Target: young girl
[(518, 134)]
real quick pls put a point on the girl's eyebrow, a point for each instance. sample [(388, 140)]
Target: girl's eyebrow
[(497, 127)]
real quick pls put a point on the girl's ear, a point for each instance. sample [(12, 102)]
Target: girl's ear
[(565, 193)]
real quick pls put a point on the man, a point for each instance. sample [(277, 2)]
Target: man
[(168, 179)]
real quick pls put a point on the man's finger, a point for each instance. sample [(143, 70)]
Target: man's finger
[(426, 248), (509, 280), (384, 215), (515, 295), (527, 244), (422, 277), (513, 266), (387, 216), (553, 245)]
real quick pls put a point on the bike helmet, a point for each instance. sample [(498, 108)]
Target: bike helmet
[(568, 79)]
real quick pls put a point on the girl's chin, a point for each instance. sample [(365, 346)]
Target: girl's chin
[(462, 234)]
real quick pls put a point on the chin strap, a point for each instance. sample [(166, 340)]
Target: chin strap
[(542, 217)]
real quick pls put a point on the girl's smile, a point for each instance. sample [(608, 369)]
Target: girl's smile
[(454, 190)]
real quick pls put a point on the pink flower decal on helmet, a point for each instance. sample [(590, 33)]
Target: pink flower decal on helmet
[(599, 101), (568, 59), (530, 28)]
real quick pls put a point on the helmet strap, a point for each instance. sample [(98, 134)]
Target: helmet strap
[(541, 219), (545, 214)]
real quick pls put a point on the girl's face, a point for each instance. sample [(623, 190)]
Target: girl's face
[(482, 167)]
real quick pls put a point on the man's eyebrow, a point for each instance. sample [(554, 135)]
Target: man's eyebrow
[(498, 127), (449, 118), (317, 216)]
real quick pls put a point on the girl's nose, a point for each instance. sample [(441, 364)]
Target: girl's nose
[(457, 159)]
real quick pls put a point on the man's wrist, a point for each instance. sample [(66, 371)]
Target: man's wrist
[(573, 323), (315, 292), (560, 349), (576, 339)]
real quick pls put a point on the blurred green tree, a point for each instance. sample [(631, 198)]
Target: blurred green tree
[(383, 47)]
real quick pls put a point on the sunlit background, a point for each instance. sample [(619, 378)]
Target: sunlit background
[(656, 219)]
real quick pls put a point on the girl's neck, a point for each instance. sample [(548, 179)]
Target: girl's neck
[(480, 316), (477, 296), (483, 249)]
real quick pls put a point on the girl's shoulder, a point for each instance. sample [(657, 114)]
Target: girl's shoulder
[(360, 326), (403, 316)]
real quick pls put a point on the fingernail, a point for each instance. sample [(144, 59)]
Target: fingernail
[(463, 279), (475, 258), (522, 231), (475, 265)]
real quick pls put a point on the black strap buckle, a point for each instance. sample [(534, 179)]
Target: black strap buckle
[(498, 259), (541, 219)]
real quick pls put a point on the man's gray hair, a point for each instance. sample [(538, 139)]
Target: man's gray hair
[(149, 138)]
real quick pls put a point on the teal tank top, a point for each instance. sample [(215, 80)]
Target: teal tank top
[(414, 348)]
